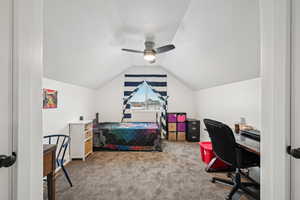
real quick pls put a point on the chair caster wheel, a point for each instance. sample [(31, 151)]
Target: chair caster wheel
[(213, 180)]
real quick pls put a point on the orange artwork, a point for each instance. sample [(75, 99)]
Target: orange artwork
[(49, 98)]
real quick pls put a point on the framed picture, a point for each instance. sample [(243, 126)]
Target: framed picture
[(49, 98)]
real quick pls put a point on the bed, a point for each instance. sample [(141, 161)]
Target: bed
[(143, 136)]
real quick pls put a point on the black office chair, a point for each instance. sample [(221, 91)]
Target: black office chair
[(62, 142), (226, 149)]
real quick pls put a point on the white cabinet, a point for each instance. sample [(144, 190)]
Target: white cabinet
[(81, 134)]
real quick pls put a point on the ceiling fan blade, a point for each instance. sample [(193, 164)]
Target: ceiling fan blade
[(132, 51), (164, 49)]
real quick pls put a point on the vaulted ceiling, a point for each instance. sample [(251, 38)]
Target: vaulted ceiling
[(217, 41)]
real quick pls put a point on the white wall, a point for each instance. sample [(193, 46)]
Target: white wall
[(110, 96), (228, 103), (73, 101)]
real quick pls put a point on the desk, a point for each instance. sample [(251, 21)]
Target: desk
[(247, 143), (49, 168)]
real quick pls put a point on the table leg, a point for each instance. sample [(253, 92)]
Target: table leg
[(51, 186)]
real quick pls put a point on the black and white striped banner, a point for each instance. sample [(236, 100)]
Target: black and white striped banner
[(157, 82)]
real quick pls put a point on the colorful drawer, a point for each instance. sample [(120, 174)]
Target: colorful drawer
[(172, 117), (172, 127), (181, 136), (172, 136), (181, 126), (177, 126), (181, 117)]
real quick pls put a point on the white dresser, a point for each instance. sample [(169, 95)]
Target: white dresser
[(81, 133)]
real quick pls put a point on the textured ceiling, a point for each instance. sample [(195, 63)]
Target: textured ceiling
[(217, 41)]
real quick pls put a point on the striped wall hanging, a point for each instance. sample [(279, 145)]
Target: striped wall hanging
[(158, 84)]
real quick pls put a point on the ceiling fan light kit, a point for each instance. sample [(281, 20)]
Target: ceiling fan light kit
[(149, 56), (150, 52)]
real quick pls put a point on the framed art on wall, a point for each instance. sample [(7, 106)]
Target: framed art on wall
[(49, 98)]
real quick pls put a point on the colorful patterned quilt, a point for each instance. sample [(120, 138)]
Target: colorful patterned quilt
[(128, 136)]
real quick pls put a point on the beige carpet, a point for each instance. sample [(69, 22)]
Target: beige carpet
[(175, 174)]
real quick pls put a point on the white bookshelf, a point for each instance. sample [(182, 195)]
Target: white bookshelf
[(81, 133)]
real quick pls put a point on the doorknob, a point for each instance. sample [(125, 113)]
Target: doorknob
[(293, 152), (7, 161)]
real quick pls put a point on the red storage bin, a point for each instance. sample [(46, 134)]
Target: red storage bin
[(207, 155)]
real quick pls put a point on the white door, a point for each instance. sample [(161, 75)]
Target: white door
[(295, 110), (5, 96)]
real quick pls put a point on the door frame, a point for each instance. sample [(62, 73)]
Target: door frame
[(27, 64), (275, 71), (275, 18)]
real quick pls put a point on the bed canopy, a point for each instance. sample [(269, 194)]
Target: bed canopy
[(157, 83)]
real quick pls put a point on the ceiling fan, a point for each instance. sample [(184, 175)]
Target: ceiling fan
[(150, 52)]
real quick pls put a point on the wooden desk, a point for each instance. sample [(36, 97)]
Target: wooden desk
[(248, 143), (49, 168)]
